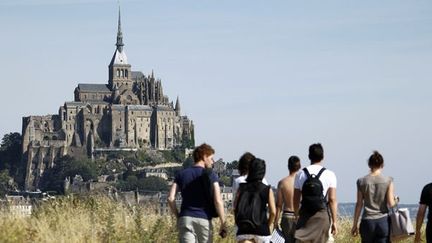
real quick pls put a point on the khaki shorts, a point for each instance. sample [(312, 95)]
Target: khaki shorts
[(193, 230)]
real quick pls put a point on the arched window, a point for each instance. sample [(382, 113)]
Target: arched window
[(122, 73), (126, 73), (118, 73)]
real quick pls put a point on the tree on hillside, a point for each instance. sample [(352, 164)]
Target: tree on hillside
[(233, 165), (153, 183), (188, 162), (67, 166), (225, 180), (6, 182), (10, 156)]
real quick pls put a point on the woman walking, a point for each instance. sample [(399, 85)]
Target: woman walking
[(375, 196), (254, 199)]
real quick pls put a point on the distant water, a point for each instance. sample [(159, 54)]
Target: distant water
[(346, 210)]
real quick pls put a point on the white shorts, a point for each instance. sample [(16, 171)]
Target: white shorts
[(256, 238)]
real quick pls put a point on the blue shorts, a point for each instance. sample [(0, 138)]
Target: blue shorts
[(375, 230)]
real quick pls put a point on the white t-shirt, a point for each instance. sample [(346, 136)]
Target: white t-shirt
[(327, 178)]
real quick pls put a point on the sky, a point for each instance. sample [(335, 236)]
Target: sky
[(269, 77)]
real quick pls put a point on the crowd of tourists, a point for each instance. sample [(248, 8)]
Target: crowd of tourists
[(305, 208)]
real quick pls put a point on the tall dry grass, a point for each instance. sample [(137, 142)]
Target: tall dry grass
[(99, 219)]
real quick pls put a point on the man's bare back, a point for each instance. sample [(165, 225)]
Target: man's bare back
[(285, 194)]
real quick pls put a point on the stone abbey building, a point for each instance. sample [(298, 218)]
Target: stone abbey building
[(130, 112)]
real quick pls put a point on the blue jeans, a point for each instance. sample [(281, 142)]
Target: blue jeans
[(375, 230)]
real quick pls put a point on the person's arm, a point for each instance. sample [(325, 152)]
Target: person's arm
[(297, 197), (234, 188), (272, 209), (279, 201), (419, 221), (171, 199), (219, 206), (357, 211), (333, 209), (390, 196)]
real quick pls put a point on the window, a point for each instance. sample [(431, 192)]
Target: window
[(126, 73), (121, 73), (118, 73)]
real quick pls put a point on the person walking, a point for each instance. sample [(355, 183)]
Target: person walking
[(243, 169), (316, 187), (254, 199), (285, 201), (374, 195), (194, 219), (425, 203)]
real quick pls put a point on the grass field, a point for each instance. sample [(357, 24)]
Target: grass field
[(103, 220)]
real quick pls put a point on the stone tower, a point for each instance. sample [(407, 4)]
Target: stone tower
[(119, 71)]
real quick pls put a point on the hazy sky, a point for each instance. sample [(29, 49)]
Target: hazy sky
[(270, 77)]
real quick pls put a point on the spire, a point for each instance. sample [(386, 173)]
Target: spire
[(177, 106), (119, 43)]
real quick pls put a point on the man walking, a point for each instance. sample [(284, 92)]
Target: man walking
[(194, 220), (285, 201), (425, 202), (316, 187)]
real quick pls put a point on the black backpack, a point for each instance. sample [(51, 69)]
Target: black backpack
[(250, 211), (312, 193)]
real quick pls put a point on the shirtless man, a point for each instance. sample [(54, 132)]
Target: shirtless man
[(285, 202)]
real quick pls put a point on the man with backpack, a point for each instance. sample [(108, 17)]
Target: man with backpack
[(316, 187)]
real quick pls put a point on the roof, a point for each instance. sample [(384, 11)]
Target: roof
[(74, 103), (118, 107), (139, 107), (93, 88), (137, 75), (91, 102), (164, 108), (119, 58)]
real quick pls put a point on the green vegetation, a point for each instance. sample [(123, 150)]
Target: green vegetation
[(6, 182), (225, 180), (53, 178), (188, 142), (188, 162), (11, 165), (232, 165), (150, 183)]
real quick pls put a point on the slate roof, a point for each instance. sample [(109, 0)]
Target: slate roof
[(139, 107), (119, 58), (137, 74), (94, 88)]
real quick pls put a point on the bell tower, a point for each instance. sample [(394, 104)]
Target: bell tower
[(119, 70)]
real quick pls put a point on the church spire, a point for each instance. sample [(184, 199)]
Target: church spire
[(119, 43), (177, 106)]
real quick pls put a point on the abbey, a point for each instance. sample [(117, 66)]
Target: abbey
[(130, 112)]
